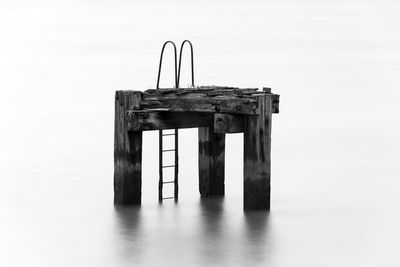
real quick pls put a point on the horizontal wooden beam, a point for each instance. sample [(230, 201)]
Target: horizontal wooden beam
[(234, 105), (228, 123), (137, 120), (161, 120), (204, 90), (223, 100)]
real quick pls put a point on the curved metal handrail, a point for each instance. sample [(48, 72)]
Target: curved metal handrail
[(159, 68), (180, 61)]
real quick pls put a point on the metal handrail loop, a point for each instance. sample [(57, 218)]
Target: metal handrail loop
[(161, 58)]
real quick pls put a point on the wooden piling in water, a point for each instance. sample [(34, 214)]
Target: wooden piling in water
[(257, 157), (127, 153), (211, 162)]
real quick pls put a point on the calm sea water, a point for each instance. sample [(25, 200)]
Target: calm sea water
[(335, 146)]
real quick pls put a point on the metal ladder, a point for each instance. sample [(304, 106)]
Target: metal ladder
[(162, 151)]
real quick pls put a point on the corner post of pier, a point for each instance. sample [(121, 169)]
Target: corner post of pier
[(257, 156), (127, 152), (211, 162)]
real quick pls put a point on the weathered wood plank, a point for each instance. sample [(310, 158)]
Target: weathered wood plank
[(234, 105), (257, 159), (211, 162), (228, 123), (203, 99), (206, 91), (162, 120), (127, 154)]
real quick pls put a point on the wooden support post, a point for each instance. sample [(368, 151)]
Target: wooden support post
[(257, 156), (127, 153), (211, 162)]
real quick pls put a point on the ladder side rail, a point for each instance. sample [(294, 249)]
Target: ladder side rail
[(160, 145)]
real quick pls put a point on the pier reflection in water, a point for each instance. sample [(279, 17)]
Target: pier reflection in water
[(209, 231)]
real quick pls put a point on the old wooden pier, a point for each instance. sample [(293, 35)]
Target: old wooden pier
[(215, 111)]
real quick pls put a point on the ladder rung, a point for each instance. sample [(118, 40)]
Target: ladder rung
[(168, 166), (168, 182), (168, 150), (168, 134), (167, 197)]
